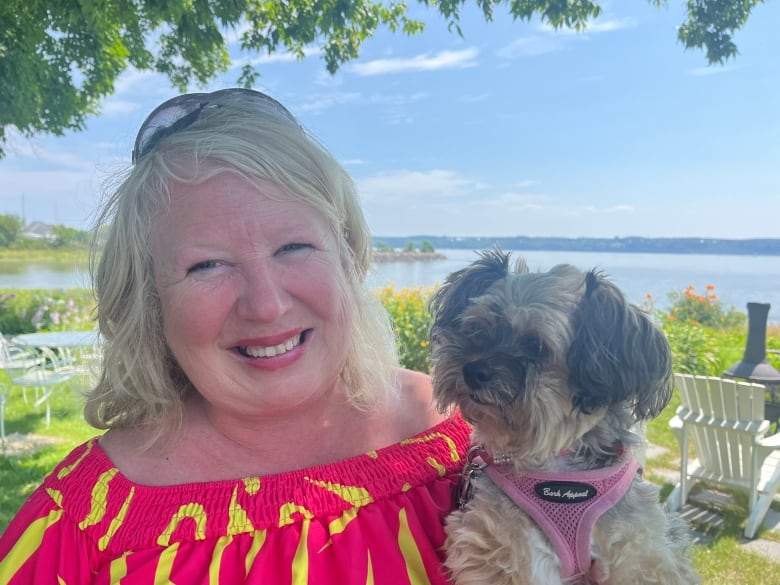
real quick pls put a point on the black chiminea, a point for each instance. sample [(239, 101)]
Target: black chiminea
[(754, 366)]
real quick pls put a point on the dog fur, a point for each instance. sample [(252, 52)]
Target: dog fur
[(544, 364)]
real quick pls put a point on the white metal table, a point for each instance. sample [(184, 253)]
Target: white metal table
[(55, 339)]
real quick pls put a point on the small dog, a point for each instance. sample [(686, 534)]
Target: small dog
[(553, 370)]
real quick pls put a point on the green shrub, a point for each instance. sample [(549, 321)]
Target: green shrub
[(706, 338), (694, 347), (411, 321), (27, 311)]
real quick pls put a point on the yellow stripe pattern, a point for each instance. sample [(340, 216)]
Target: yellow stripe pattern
[(192, 510)]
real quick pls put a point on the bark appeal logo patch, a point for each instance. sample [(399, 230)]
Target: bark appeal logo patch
[(565, 492)]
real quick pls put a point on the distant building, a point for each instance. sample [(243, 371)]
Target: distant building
[(39, 231)]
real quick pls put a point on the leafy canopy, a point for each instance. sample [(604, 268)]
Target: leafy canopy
[(58, 59)]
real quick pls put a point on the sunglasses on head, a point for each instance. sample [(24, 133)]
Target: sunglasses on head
[(182, 111)]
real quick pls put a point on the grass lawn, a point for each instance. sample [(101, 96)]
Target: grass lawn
[(721, 562)]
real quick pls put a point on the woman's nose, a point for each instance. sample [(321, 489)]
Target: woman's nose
[(264, 296)]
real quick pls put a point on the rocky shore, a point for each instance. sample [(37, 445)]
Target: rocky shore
[(407, 256)]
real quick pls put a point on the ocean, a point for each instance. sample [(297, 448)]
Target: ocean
[(737, 279)]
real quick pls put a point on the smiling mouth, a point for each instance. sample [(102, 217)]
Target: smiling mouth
[(273, 350)]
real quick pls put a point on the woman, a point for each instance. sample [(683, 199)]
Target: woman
[(257, 428)]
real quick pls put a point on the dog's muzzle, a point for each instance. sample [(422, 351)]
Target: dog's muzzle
[(477, 374)]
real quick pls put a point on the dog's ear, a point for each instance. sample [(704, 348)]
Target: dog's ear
[(468, 283), (617, 354)]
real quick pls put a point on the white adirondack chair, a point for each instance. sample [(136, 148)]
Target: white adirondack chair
[(724, 420)]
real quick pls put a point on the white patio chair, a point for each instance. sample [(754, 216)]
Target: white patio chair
[(724, 421), (14, 357), (10, 358), (39, 369)]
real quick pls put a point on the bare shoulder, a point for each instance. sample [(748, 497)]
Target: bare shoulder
[(414, 385), (417, 408)]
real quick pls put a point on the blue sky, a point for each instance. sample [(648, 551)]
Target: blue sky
[(511, 130)]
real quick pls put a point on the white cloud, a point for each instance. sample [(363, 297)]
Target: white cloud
[(277, 57), (132, 79), (233, 35), (711, 70), (325, 79), (520, 200), (472, 99), (29, 150), (115, 108), (423, 62), (391, 109), (416, 186), (598, 26), (531, 47), (553, 40), (323, 102)]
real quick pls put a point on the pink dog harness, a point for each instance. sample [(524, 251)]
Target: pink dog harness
[(567, 505)]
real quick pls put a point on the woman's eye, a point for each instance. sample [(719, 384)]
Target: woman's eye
[(295, 246), (200, 266)]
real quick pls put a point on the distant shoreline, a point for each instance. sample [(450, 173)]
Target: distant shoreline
[(636, 245), (407, 256)]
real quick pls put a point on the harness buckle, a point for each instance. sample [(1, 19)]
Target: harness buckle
[(471, 470)]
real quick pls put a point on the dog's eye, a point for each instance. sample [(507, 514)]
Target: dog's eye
[(478, 336), (534, 347), (477, 333)]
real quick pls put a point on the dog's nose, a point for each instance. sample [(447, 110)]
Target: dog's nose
[(477, 374)]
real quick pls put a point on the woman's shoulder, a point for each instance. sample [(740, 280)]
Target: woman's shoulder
[(415, 389), (417, 383)]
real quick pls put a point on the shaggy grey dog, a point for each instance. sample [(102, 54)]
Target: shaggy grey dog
[(553, 370)]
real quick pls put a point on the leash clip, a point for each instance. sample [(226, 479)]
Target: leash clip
[(471, 470)]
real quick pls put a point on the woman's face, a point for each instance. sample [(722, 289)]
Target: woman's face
[(253, 295)]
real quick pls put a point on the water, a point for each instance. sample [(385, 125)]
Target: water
[(737, 279), (42, 274)]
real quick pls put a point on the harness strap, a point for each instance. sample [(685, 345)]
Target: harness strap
[(567, 505)]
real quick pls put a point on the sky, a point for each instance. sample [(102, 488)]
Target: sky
[(511, 129)]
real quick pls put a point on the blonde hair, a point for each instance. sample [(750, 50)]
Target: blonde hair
[(140, 381)]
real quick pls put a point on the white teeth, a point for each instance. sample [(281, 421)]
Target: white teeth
[(273, 350)]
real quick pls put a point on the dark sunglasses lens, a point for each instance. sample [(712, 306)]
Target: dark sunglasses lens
[(182, 111), (154, 135)]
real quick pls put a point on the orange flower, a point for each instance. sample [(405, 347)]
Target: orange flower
[(710, 287)]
